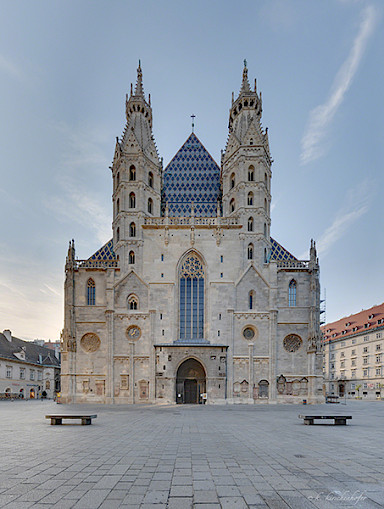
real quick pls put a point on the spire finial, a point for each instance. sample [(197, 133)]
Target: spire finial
[(193, 116), (139, 83), (245, 84)]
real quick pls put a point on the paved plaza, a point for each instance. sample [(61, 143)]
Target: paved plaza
[(182, 457)]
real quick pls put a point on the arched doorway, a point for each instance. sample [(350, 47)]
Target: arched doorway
[(190, 382)]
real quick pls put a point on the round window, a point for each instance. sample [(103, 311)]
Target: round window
[(248, 333), (292, 342)]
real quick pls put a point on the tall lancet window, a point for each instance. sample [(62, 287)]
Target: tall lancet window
[(191, 299), (91, 292), (292, 293)]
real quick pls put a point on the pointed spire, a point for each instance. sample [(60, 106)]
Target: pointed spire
[(245, 88), (139, 83)]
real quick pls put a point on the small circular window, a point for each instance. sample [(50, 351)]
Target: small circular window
[(248, 333), (292, 342)]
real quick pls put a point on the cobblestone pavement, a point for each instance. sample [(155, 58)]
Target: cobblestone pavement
[(200, 457)]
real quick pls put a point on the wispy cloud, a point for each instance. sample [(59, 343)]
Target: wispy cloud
[(355, 206), (312, 143), (81, 159), (8, 67)]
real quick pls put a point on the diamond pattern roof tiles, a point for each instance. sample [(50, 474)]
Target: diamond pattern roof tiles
[(192, 176), (278, 252), (105, 252)]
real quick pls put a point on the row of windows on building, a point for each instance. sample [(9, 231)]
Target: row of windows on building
[(251, 177), (133, 302), (22, 373), (378, 359), (366, 373), (353, 352), (132, 176)]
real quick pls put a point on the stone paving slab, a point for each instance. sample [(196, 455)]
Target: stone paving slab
[(191, 457)]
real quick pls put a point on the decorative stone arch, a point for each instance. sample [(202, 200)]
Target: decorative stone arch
[(132, 172), (250, 198), (250, 251), (132, 302), (191, 375), (251, 173), (232, 180), (263, 387)]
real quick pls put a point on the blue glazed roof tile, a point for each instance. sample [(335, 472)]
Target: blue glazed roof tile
[(192, 176), (278, 252), (104, 253)]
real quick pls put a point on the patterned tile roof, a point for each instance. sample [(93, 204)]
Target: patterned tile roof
[(278, 252), (104, 253), (192, 176)]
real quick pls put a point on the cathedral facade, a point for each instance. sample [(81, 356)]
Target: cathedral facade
[(192, 301)]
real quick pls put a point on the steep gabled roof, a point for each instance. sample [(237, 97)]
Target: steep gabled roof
[(105, 252), (192, 177), (278, 252), (34, 353)]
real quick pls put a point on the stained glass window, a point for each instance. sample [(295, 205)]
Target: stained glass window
[(292, 293), (191, 299), (91, 292)]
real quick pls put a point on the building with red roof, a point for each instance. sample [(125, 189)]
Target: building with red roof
[(354, 353)]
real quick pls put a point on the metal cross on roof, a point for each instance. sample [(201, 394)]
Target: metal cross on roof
[(193, 122)]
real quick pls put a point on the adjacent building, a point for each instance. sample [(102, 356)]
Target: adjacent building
[(27, 369), (354, 355), (192, 300)]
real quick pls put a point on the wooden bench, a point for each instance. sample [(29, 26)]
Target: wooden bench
[(58, 419), (338, 419)]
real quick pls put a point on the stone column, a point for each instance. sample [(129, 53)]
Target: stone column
[(251, 377), (152, 357), (272, 355), (109, 396), (231, 344), (131, 396)]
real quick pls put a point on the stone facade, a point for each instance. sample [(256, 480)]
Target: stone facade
[(192, 301)]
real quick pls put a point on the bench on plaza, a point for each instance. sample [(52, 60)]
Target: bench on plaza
[(332, 399), (58, 419), (338, 419)]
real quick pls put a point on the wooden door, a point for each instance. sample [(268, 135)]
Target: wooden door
[(190, 391)]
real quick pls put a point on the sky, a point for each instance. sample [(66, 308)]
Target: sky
[(65, 67)]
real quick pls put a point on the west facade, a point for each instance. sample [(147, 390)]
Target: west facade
[(192, 301), (354, 355)]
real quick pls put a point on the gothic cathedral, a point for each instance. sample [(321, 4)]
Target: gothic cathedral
[(192, 301)]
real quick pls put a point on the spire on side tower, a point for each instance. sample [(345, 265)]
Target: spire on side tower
[(139, 90), (245, 87)]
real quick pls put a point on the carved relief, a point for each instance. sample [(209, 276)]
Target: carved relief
[(90, 342)]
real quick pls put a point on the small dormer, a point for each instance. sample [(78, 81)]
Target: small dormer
[(20, 354)]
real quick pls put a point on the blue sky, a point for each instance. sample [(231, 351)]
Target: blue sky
[(65, 68)]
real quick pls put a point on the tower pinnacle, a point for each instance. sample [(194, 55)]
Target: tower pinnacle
[(139, 83), (245, 88)]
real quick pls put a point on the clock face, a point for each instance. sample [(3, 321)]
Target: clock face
[(133, 332)]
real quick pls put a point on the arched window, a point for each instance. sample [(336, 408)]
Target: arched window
[(265, 230), (251, 174), (266, 180), (232, 181), (132, 172), (292, 293), (250, 224), (132, 230), (250, 251), (150, 179), (91, 292), (191, 298), (117, 205), (250, 198), (118, 234), (132, 200), (150, 205), (251, 300), (265, 255), (131, 257), (133, 302), (117, 180), (232, 205), (265, 205)]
